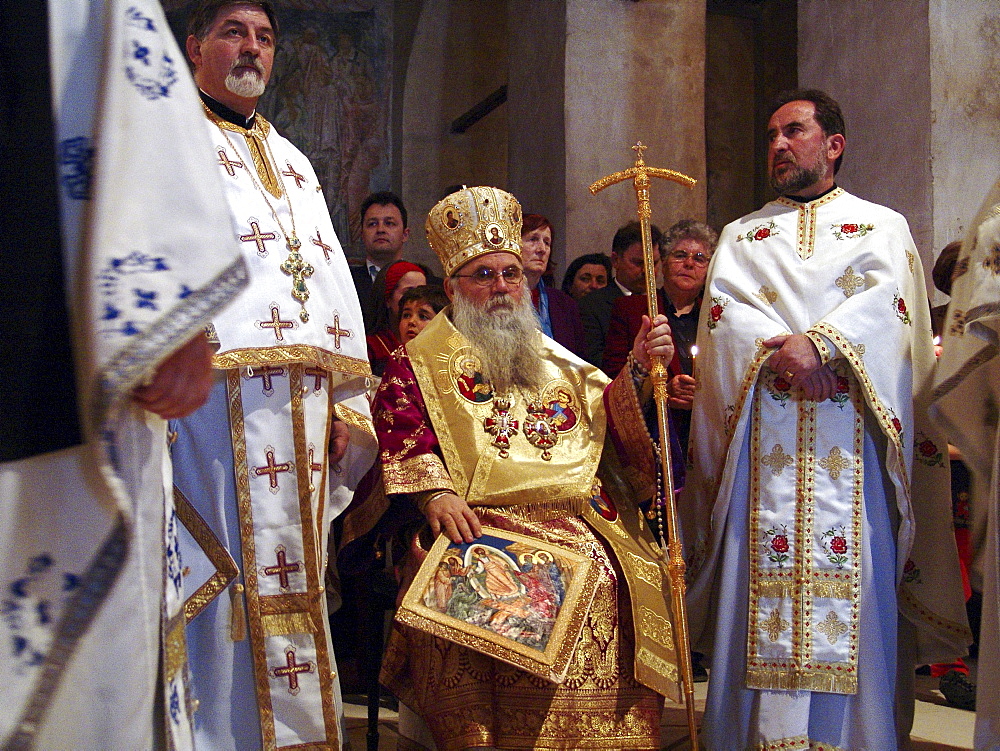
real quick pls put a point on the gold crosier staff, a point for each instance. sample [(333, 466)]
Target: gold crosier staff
[(641, 174)]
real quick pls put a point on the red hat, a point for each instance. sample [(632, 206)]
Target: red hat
[(396, 272)]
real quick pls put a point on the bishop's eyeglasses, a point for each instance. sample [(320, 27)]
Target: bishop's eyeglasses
[(697, 258), (487, 277)]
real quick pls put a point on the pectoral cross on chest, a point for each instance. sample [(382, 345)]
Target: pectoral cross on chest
[(296, 267)]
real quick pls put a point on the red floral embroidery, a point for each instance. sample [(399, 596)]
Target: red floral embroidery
[(715, 312), (911, 574), (835, 544), (781, 384), (899, 305), (843, 392), (928, 452), (897, 424), (775, 545), (850, 231), (760, 232)]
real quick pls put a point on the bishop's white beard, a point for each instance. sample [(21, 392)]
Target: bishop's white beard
[(246, 84), (504, 335)]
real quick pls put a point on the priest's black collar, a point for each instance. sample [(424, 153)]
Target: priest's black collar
[(800, 199), (227, 114)]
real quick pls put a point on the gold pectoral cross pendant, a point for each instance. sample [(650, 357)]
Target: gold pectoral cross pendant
[(297, 268)]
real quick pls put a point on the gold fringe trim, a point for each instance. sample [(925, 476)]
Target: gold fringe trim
[(541, 511), (833, 590), (287, 623), (237, 614), (291, 353), (778, 588), (785, 680)]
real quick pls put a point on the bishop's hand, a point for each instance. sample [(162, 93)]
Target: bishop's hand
[(653, 340), (452, 515)]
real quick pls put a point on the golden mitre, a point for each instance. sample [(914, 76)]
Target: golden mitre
[(472, 222)]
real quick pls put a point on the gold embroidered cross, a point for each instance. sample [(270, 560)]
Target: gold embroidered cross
[(230, 165), (774, 625), (777, 460), (318, 374), (291, 670), (258, 237), (832, 627), (834, 463), (850, 282), (318, 241), (299, 179), (272, 469), (337, 331), (283, 569), (265, 374), (313, 467), (276, 324)]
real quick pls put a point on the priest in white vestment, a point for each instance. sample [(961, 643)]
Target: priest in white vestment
[(817, 515), (966, 393), (262, 469), (91, 615)]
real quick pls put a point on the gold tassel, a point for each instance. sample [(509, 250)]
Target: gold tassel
[(237, 613)]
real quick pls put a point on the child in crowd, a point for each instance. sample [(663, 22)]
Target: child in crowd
[(417, 307)]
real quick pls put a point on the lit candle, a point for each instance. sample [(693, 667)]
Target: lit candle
[(937, 346), (694, 360)]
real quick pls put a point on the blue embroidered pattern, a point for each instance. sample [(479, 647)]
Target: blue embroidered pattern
[(147, 66), (173, 553), (175, 705), (135, 264), (76, 159), (26, 608)]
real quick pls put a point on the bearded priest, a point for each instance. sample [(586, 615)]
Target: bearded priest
[(262, 469)]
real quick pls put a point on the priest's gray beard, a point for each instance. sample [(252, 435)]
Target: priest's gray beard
[(504, 334), (246, 84)]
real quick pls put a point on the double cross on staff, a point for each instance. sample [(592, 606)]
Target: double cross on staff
[(640, 175)]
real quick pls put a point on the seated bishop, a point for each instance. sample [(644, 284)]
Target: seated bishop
[(484, 422)]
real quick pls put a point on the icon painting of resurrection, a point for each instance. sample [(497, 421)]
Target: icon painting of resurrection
[(506, 595)]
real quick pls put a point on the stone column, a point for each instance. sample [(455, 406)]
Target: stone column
[(634, 71)]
